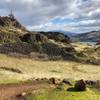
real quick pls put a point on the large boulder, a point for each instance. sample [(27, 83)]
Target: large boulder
[(80, 85)]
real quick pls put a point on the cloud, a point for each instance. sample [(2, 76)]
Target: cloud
[(69, 15)]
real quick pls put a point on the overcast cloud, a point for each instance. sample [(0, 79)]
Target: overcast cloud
[(46, 15)]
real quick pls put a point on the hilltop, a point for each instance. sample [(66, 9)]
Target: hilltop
[(10, 21), (93, 36)]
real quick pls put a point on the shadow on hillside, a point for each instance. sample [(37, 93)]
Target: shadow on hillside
[(71, 89)]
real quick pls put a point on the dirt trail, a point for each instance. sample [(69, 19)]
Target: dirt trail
[(8, 91)]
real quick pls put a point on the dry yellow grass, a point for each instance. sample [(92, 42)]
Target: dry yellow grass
[(40, 69), (81, 46)]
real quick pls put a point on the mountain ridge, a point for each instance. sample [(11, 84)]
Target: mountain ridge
[(93, 36)]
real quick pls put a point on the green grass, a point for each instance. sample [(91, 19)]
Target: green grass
[(9, 81), (64, 94)]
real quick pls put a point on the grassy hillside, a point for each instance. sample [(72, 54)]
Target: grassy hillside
[(39, 69)]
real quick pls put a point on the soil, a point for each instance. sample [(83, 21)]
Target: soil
[(14, 91)]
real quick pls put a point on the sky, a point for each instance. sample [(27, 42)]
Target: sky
[(76, 16)]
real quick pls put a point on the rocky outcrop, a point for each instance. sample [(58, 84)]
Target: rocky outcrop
[(10, 21), (44, 45), (32, 38), (90, 82), (57, 36), (80, 85)]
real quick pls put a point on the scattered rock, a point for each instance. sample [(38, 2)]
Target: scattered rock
[(80, 85), (90, 82), (66, 81), (38, 79), (44, 79), (21, 96), (94, 62), (54, 81)]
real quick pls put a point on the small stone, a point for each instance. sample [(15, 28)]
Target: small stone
[(23, 94), (66, 81), (54, 81)]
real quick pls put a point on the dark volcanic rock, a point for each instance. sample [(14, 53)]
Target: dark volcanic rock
[(66, 81), (31, 38), (80, 85), (57, 36), (54, 81), (90, 82)]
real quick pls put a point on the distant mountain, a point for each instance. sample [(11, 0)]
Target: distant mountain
[(70, 34), (93, 36)]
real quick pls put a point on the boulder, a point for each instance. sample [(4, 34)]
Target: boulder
[(90, 82), (21, 96), (80, 85), (44, 79), (54, 81), (66, 81)]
